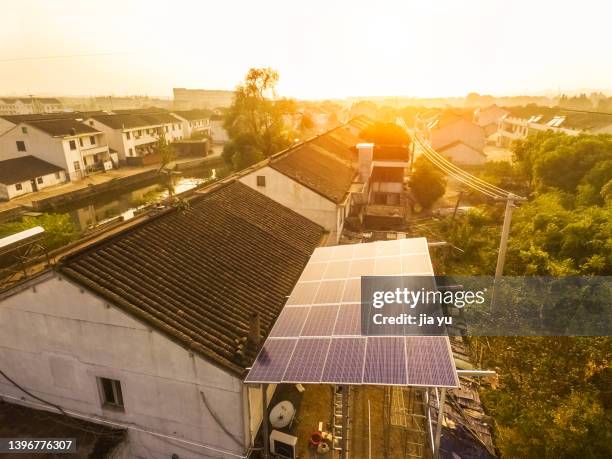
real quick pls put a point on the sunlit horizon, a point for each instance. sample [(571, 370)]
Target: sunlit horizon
[(322, 50)]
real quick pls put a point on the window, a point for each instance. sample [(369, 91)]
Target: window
[(58, 175), (80, 141), (77, 166), (21, 145), (131, 152), (24, 129), (39, 180), (72, 144), (261, 180), (92, 140), (166, 128), (18, 186), (127, 135), (110, 390), (91, 123)]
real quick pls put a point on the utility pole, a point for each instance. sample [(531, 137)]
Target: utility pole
[(503, 246)]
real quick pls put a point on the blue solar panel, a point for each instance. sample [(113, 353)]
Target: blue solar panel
[(272, 361), (385, 361), (429, 362), (349, 320), (321, 321), (303, 293), (329, 292), (306, 364), (318, 338), (344, 364), (290, 322)]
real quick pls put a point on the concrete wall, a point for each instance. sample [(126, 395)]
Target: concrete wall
[(57, 339), (299, 198), (463, 130), (464, 154)]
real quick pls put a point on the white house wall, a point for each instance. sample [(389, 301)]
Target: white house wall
[(56, 339), (464, 154), (298, 198)]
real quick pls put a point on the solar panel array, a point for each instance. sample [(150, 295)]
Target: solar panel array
[(317, 337)]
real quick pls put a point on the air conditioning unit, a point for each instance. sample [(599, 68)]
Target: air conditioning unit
[(283, 445)]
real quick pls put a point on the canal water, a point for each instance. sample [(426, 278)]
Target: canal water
[(128, 202)]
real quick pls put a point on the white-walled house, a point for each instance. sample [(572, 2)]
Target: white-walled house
[(19, 176), (153, 328), (461, 153), (195, 123), (77, 148), (315, 178), (28, 105), (134, 136)]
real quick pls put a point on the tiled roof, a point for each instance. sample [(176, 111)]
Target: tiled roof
[(16, 119), (19, 170), (192, 115), (325, 164), (574, 119), (198, 274), (62, 127), (131, 120)]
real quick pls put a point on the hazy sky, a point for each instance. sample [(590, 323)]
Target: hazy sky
[(322, 48)]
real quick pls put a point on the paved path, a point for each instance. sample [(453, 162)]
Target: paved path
[(92, 180)]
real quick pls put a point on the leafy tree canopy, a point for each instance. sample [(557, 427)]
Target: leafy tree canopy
[(427, 183), (254, 121)]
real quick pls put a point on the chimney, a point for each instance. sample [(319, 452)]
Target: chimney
[(365, 154), (254, 339)]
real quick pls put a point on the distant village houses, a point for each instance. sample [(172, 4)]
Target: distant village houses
[(29, 105), (455, 136)]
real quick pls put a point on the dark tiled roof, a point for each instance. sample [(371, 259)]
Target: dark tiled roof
[(197, 275), (18, 170), (192, 115), (62, 127), (318, 169), (574, 119), (325, 164), (16, 119), (130, 120)]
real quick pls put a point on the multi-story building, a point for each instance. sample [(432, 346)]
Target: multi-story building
[(523, 121), (134, 136), (77, 148), (195, 123)]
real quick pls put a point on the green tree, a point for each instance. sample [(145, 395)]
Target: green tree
[(59, 229), (254, 122), (427, 183)]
